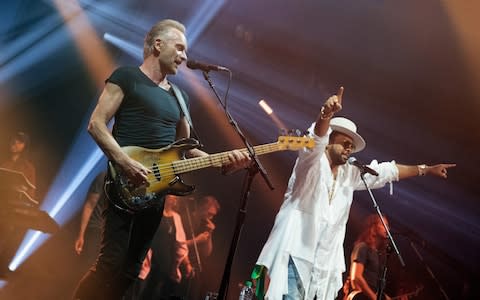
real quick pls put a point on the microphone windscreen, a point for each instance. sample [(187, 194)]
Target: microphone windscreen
[(192, 64), (351, 160)]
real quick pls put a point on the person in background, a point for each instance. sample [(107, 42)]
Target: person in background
[(17, 161), (87, 243), (169, 253), (367, 260), (199, 228)]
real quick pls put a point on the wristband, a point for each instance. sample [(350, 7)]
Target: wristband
[(422, 170)]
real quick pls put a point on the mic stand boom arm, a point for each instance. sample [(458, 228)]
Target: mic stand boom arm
[(389, 235), (253, 169)]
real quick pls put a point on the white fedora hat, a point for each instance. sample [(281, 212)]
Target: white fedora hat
[(349, 128)]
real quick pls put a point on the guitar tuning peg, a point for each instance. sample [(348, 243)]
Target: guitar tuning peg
[(283, 131), (291, 132), (298, 132)]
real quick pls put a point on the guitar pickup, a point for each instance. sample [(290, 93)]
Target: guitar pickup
[(156, 172)]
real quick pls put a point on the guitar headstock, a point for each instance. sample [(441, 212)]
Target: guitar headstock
[(295, 142)]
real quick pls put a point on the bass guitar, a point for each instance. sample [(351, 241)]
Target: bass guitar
[(169, 162)]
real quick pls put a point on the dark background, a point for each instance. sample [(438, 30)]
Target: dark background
[(411, 74)]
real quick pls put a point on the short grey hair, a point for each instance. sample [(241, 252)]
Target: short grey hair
[(161, 29)]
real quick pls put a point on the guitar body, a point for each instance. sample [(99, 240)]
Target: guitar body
[(163, 179)]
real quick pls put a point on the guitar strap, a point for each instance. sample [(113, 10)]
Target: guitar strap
[(181, 101)]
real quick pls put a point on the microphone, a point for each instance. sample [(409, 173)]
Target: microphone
[(195, 65), (363, 168)]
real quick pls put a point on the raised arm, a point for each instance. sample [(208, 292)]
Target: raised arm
[(331, 106)]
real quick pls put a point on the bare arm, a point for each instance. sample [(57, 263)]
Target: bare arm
[(439, 170), (189, 272), (88, 207), (209, 243), (199, 239), (208, 246), (331, 106), (359, 282), (107, 106)]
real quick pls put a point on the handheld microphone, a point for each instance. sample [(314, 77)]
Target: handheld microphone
[(195, 65), (363, 168)]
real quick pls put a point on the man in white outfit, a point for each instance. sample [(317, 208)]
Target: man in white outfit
[(303, 256)]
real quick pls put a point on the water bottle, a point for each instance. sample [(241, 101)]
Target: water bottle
[(247, 291), (211, 296)]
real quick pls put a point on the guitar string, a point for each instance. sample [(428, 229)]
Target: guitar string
[(183, 166)]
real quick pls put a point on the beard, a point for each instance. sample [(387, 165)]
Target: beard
[(336, 158)]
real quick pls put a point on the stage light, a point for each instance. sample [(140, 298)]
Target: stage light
[(263, 104), (269, 111)]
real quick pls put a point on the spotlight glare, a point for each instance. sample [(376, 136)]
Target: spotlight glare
[(25, 251), (263, 104), (125, 45), (34, 239)]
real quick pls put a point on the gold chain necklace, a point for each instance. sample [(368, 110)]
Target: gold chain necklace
[(331, 191)]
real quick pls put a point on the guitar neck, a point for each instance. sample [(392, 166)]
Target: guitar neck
[(218, 159)]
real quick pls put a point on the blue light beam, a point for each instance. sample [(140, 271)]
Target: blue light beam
[(70, 186)]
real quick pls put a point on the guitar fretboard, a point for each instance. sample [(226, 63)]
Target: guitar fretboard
[(218, 159)]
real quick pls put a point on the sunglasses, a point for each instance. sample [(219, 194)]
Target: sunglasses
[(348, 145)]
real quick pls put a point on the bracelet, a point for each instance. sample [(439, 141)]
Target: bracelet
[(422, 170), (323, 116)]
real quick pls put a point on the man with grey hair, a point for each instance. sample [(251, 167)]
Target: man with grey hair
[(149, 113), (303, 256)]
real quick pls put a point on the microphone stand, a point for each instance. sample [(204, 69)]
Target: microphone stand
[(195, 245), (252, 170), (381, 287), (383, 278), (427, 267)]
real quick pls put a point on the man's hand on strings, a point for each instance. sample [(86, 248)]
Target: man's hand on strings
[(237, 160)]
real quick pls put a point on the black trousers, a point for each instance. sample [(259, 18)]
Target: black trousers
[(125, 242)]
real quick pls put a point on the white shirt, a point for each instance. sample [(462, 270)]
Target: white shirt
[(309, 228)]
